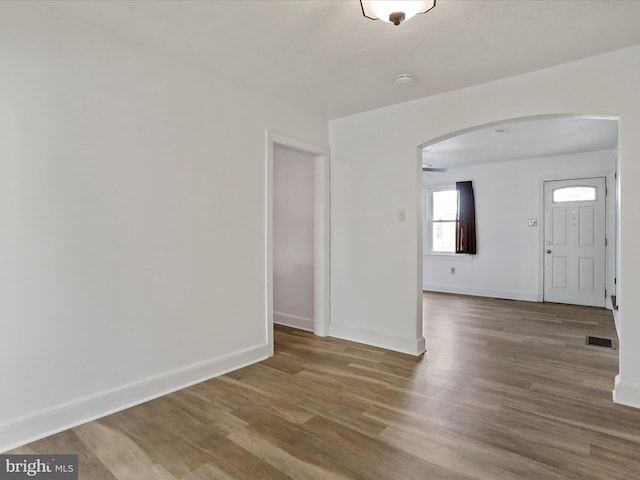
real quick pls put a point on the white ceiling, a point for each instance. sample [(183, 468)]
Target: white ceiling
[(521, 139), (325, 57)]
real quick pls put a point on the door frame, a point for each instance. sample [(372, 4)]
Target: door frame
[(610, 228), (322, 232)]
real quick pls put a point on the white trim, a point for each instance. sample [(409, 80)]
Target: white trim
[(626, 393), (322, 243), (481, 292), (32, 427), (449, 257), (419, 261), (322, 231), (413, 346), (293, 321)]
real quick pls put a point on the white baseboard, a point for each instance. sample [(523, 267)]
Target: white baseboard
[(616, 321), (481, 292), (411, 346), (43, 423), (626, 394), (293, 321)]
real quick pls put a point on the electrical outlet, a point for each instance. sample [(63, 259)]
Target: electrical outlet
[(402, 215), (533, 222), (453, 270)]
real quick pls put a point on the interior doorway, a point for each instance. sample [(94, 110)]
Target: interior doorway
[(509, 161), (293, 263), (297, 235)]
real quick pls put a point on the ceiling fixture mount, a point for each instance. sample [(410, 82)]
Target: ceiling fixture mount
[(395, 11)]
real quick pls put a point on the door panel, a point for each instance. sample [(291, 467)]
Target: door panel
[(559, 272), (587, 226), (559, 231), (587, 273), (574, 233)]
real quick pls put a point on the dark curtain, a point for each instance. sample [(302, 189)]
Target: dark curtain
[(466, 219)]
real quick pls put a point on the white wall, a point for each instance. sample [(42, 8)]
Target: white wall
[(293, 237), (507, 194), (376, 267), (132, 223)]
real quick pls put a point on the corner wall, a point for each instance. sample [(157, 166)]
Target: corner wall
[(376, 259), (132, 223)]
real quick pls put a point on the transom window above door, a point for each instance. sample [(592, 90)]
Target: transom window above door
[(574, 194)]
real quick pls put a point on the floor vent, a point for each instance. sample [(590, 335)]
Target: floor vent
[(600, 342)]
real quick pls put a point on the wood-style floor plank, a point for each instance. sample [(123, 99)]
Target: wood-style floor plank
[(507, 390)]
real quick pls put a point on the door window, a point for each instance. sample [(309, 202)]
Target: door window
[(574, 194)]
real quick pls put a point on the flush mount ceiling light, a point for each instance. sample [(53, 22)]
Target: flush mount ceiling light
[(395, 11)]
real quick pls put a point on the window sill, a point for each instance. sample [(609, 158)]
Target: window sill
[(448, 257)]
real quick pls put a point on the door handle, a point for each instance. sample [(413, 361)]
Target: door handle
[(548, 251)]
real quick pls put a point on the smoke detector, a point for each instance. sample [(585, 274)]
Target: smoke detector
[(405, 79)]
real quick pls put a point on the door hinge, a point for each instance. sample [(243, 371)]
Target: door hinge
[(605, 293), (605, 242)]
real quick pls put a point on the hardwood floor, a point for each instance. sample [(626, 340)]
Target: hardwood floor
[(507, 390)]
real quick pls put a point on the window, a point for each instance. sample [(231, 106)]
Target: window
[(450, 223), (574, 194), (442, 208)]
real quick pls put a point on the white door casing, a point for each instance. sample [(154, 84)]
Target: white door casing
[(574, 241)]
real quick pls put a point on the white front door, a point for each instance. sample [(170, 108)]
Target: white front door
[(574, 241)]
